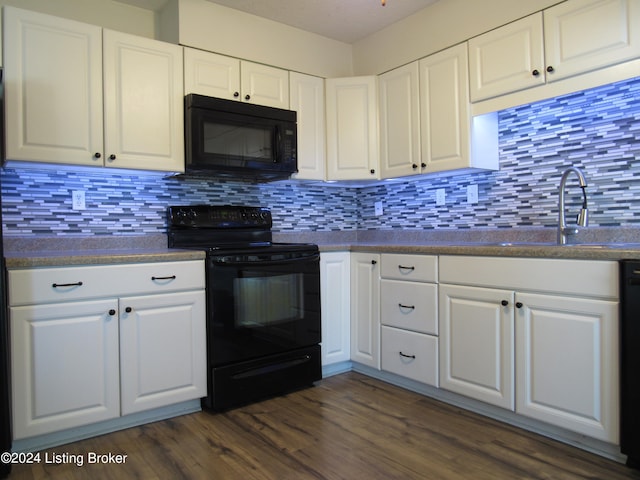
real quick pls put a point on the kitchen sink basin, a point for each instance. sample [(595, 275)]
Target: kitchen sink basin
[(572, 245), (605, 245), (523, 244)]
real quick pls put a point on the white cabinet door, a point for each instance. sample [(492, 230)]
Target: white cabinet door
[(53, 89), (476, 343), (210, 74), (214, 75), (444, 108), (567, 363), (400, 122), (586, 35), (335, 276), (143, 103), (507, 59), (64, 366), (365, 309), (264, 85), (162, 350), (352, 128), (307, 99)]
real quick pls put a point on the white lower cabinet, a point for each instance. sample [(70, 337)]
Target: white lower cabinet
[(409, 316), (162, 349), (335, 276), (535, 336), (410, 354), (476, 343), (542, 349), (365, 309), (567, 363), (82, 352), (64, 365)]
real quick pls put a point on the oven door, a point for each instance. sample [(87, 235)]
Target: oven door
[(261, 303)]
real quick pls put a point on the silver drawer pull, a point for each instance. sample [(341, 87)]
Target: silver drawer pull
[(77, 284), (172, 277), (402, 267), (406, 356), (408, 307)]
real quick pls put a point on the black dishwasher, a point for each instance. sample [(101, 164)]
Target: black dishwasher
[(630, 361)]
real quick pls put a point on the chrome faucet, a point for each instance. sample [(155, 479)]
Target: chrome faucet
[(583, 216)]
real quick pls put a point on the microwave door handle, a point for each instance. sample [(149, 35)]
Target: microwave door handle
[(277, 144)]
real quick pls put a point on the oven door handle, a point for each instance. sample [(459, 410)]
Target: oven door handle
[(269, 263)]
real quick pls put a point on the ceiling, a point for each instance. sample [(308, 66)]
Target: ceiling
[(344, 20)]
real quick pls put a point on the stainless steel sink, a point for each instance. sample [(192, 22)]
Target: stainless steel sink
[(572, 245), (524, 244), (604, 245)]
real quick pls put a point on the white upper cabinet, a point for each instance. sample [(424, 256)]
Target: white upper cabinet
[(214, 75), (143, 103), (450, 139), (586, 35), (578, 36), (307, 99), (507, 59), (209, 74), (399, 98), (264, 85), (352, 128), (54, 90)]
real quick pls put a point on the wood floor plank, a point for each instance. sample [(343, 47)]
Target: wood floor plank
[(346, 427)]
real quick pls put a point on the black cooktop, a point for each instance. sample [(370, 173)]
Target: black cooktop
[(216, 228)]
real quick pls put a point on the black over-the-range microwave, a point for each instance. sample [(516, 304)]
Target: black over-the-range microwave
[(239, 140)]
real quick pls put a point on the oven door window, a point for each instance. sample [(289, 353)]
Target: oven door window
[(259, 310), (266, 302)]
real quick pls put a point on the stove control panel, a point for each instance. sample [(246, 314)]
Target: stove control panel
[(219, 216)]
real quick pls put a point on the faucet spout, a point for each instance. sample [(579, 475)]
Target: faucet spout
[(583, 216)]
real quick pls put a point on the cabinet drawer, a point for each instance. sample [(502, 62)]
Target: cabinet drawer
[(410, 354), (584, 278), (416, 268), (409, 305), (48, 285)]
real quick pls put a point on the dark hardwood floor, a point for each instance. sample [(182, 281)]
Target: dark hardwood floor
[(347, 427)]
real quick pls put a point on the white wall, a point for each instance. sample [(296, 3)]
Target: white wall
[(230, 32), (438, 26), (107, 14)]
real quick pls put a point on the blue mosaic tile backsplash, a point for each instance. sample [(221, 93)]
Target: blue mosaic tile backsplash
[(597, 130)]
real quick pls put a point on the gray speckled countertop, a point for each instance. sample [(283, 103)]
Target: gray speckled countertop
[(585, 252), (597, 244), (27, 252)]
